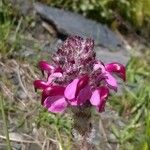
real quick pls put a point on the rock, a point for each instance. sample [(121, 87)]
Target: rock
[(34, 146), (120, 123), (51, 46), (68, 23), (15, 136), (25, 53), (112, 138), (17, 146), (21, 94), (121, 56), (14, 78)]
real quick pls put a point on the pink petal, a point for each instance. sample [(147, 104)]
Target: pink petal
[(70, 91), (40, 84), (44, 66), (111, 81), (104, 92), (95, 98), (55, 104), (83, 81), (84, 95), (73, 102), (52, 91), (117, 68), (99, 98)]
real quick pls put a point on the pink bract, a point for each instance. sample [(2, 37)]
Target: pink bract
[(75, 77)]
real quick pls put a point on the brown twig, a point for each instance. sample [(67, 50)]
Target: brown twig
[(49, 28), (104, 134), (21, 83), (20, 141), (31, 71)]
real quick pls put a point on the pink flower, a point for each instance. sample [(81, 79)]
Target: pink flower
[(53, 99), (76, 78), (78, 91), (106, 70), (99, 97)]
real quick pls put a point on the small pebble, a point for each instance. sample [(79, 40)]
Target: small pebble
[(21, 94)]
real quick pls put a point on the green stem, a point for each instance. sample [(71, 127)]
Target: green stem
[(5, 125), (61, 147)]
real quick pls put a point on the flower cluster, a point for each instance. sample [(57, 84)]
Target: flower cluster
[(75, 77)]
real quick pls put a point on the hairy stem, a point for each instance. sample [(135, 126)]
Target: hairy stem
[(82, 127)]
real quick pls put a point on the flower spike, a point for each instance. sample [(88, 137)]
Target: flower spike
[(76, 77)]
